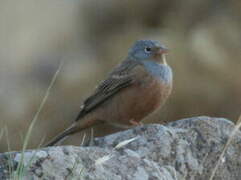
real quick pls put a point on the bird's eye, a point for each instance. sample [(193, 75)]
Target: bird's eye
[(148, 49)]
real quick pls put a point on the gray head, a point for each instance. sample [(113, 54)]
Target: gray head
[(148, 50)]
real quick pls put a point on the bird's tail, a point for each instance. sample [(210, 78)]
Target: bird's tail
[(75, 127), (70, 130)]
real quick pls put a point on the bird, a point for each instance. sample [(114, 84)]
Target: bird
[(136, 87)]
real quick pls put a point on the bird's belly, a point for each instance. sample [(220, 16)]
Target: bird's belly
[(137, 101)]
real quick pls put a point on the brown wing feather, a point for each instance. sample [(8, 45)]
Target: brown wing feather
[(117, 80)]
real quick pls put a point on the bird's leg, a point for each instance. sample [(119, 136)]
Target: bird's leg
[(122, 126), (136, 123)]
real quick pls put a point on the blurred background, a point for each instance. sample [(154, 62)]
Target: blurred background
[(93, 36)]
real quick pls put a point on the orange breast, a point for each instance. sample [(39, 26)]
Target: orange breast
[(137, 101), (150, 96)]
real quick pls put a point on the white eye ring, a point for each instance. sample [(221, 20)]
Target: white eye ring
[(147, 49)]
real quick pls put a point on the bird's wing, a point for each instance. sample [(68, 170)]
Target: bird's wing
[(121, 77)]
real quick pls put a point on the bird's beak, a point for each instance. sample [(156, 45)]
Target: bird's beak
[(161, 54), (162, 50)]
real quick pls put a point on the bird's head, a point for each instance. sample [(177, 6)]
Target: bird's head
[(148, 50)]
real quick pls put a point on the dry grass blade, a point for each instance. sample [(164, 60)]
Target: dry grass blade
[(236, 128), (26, 139), (83, 139), (42, 105), (123, 143), (103, 159), (1, 133)]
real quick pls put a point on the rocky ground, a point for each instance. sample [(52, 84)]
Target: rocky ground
[(184, 149)]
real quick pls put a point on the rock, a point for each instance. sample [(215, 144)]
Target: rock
[(184, 149)]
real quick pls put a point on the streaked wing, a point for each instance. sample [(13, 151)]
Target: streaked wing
[(120, 78)]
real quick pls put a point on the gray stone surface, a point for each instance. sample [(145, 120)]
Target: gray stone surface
[(184, 149)]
